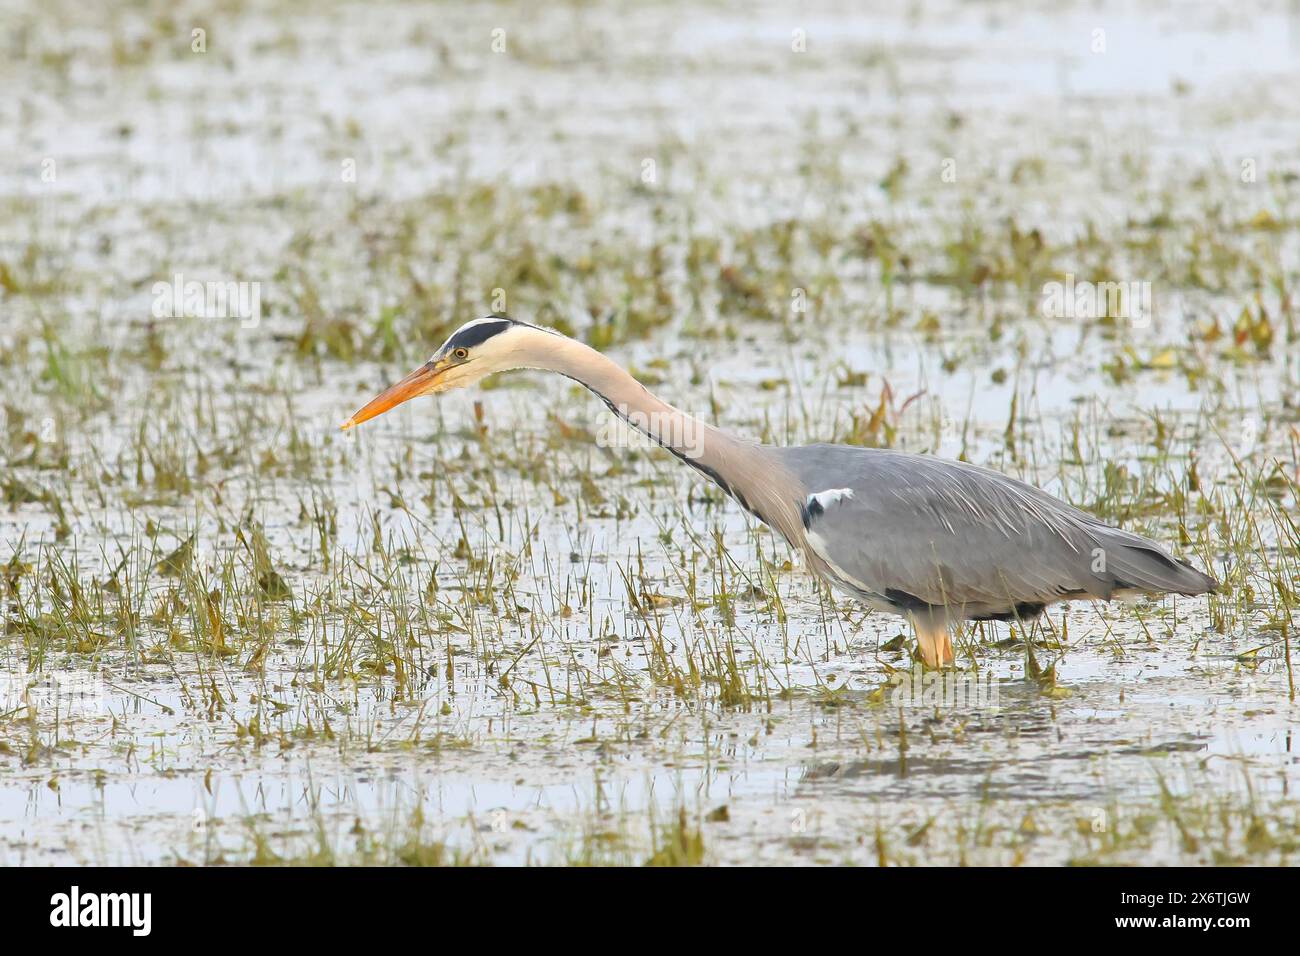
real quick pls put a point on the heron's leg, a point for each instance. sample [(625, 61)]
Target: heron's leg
[(934, 641)]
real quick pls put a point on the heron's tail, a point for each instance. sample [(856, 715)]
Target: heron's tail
[(1134, 563)]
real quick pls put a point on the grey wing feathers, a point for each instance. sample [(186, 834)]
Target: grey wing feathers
[(916, 529), (1134, 562)]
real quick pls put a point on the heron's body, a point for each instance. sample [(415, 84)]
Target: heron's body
[(936, 541)]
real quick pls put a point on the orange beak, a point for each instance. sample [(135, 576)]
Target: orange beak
[(414, 385)]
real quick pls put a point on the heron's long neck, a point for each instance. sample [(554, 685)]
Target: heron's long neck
[(745, 470)]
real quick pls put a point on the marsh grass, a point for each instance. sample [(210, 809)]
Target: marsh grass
[(468, 635)]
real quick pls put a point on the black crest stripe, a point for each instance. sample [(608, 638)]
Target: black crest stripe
[(478, 333)]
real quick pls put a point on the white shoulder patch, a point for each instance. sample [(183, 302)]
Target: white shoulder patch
[(824, 499)]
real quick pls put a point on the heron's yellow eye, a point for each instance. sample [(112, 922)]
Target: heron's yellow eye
[(461, 354)]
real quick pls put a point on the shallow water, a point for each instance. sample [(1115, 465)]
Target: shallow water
[(584, 678)]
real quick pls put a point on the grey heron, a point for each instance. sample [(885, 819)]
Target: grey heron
[(933, 540)]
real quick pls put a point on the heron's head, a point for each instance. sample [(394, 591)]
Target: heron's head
[(475, 350)]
